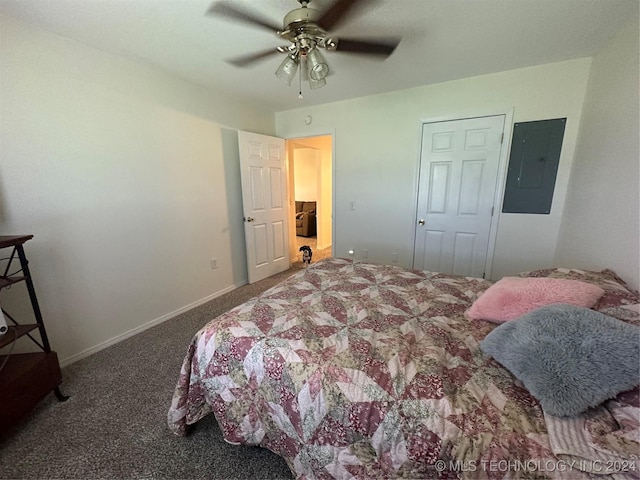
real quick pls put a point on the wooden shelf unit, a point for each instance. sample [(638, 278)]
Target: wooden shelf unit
[(8, 281), (25, 378), (15, 332)]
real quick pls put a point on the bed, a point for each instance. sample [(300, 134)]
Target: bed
[(353, 370)]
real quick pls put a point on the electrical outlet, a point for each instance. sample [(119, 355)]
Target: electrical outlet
[(365, 253), (394, 257), (352, 205), (214, 264)]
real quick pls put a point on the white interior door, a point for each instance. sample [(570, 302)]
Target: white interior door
[(458, 179), (264, 199)]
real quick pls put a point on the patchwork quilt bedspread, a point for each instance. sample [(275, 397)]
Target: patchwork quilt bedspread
[(365, 371)]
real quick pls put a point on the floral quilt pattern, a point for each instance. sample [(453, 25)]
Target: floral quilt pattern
[(363, 371)]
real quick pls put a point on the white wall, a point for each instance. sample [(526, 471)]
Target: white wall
[(600, 227), (128, 178), (377, 145)]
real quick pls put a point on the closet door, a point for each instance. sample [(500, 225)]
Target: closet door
[(458, 180)]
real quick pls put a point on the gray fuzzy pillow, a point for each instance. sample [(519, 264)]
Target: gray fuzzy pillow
[(569, 358)]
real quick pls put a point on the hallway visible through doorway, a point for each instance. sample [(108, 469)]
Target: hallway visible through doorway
[(310, 167)]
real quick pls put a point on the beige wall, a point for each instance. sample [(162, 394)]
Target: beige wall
[(601, 225), (306, 164), (127, 177), (325, 212), (377, 150)]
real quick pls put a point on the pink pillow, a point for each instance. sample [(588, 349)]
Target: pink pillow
[(511, 297)]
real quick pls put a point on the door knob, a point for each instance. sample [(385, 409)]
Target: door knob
[(421, 222), (249, 219)]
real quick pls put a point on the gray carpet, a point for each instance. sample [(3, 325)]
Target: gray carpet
[(114, 424)]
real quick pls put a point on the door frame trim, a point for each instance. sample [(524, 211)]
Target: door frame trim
[(503, 162)]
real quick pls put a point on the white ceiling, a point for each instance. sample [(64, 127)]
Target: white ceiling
[(442, 39)]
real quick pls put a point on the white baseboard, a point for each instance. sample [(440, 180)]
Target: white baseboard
[(118, 338)]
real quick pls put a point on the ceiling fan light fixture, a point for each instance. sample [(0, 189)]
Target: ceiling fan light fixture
[(287, 69), (315, 84), (316, 65), (307, 31)]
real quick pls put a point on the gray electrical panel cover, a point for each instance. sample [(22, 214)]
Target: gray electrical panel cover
[(533, 166)]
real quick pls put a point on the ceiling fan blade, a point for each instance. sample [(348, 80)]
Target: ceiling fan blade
[(247, 60), (227, 10), (338, 12), (383, 47)]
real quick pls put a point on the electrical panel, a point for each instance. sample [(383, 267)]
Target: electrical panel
[(533, 166)]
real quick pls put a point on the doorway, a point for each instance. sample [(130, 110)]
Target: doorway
[(310, 174)]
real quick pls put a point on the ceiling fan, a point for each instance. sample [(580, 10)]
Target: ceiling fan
[(307, 31)]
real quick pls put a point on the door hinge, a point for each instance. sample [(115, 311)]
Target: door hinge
[(502, 138), (483, 274), (492, 209)]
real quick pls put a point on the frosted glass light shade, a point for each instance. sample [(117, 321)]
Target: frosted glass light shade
[(314, 84), (316, 65), (287, 69)]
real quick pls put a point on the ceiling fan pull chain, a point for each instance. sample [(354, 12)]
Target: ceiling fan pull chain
[(300, 77)]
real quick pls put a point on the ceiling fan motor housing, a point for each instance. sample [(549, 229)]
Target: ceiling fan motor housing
[(302, 19)]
